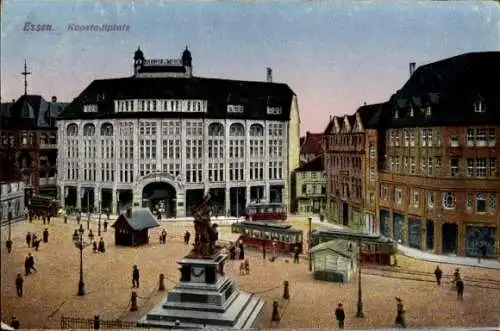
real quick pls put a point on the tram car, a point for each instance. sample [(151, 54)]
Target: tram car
[(279, 236), (266, 212), (43, 205), (374, 249)]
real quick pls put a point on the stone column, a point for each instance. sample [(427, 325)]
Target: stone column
[(113, 203), (247, 194), (423, 235), (405, 229), (461, 239), (62, 197), (438, 236), (79, 197), (227, 199), (97, 198)]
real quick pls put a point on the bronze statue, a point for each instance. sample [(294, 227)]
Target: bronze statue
[(205, 233)]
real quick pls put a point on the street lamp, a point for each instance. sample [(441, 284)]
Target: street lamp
[(80, 244), (359, 313)]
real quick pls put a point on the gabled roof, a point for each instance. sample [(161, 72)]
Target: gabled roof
[(313, 144), (366, 112), (340, 247), (256, 96), (316, 164), (329, 127), (450, 86), (141, 219)]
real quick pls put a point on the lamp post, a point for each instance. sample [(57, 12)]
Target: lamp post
[(359, 313), (88, 208), (80, 244)]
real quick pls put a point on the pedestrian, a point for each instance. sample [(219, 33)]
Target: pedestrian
[(44, 220), (15, 323), (45, 235), (28, 239), (101, 247), (187, 235), (296, 255), (8, 244), (48, 218), (340, 315), (400, 314), (19, 285), (232, 252), (483, 250), (439, 274), (242, 251), (135, 277), (37, 244), (31, 262), (94, 247), (263, 250), (27, 270), (456, 277), (33, 240), (460, 289), (105, 226)]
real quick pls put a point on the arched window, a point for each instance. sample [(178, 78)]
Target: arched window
[(216, 130), (107, 129), (237, 130), (89, 130), (256, 130), (72, 130)]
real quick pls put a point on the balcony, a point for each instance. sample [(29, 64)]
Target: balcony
[(455, 151), (48, 181)]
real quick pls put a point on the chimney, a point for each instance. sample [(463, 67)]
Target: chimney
[(269, 75), (13, 100), (54, 98), (412, 68), (129, 213)]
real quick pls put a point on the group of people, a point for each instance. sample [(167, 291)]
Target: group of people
[(241, 251), (457, 281), (98, 247), (33, 241)]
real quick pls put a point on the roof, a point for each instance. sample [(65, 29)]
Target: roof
[(312, 144), (367, 112), (254, 96), (141, 219), (329, 127), (338, 246), (316, 164), (449, 86), (32, 112), (153, 69)]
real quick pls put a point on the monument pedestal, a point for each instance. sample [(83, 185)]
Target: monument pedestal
[(205, 297)]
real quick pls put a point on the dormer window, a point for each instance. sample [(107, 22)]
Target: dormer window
[(274, 110), (428, 111), (90, 108), (235, 109), (396, 114), (479, 107), (411, 112)]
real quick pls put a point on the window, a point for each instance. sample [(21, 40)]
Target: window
[(454, 167), (396, 114), (384, 192), (412, 138), (492, 202), (428, 111), (424, 135), (479, 107), (274, 110), (90, 109), (448, 200), (396, 164), (415, 198), (413, 166), (235, 109), (480, 203), (470, 137), (454, 141), (481, 137), (481, 167), (470, 167), (492, 167), (437, 166), (399, 195), (491, 137), (470, 202), (430, 199), (411, 112), (406, 138)]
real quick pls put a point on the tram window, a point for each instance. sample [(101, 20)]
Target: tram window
[(275, 236), (256, 234), (245, 232), (286, 238), (267, 235)]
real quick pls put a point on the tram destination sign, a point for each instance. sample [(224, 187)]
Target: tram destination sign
[(163, 62)]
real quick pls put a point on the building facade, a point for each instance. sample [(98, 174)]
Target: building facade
[(11, 200), (311, 147), (310, 187), (28, 139), (162, 137), (437, 158), (350, 163)]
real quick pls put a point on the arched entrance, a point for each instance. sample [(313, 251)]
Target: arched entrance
[(160, 197)]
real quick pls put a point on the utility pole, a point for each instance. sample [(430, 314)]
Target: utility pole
[(310, 244), (25, 73)]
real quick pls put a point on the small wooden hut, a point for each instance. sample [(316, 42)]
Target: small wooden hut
[(335, 261), (131, 228)]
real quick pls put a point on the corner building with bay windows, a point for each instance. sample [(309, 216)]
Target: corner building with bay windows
[(162, 137)]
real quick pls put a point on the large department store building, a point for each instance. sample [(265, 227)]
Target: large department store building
[(161, 137)]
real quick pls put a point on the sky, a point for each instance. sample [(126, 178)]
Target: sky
[(335, 55)]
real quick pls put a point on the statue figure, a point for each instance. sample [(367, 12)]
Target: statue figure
[(205, 234)]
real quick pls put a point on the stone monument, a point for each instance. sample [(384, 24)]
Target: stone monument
[(205, 297)]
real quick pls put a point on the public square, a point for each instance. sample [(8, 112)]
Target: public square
[(50, 293)]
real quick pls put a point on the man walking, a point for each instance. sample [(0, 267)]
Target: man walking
[(439, 274), (460, 289), (340, 315), (482, 251), (400, 314), (135, 277), (19, 285), (296, 255), (31, 263)]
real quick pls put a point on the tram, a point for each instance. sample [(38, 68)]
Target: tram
[(266, 212), (375, 249), (279, 236), (43, 205)]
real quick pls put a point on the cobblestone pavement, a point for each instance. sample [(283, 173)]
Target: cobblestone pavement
[(51, 292)]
